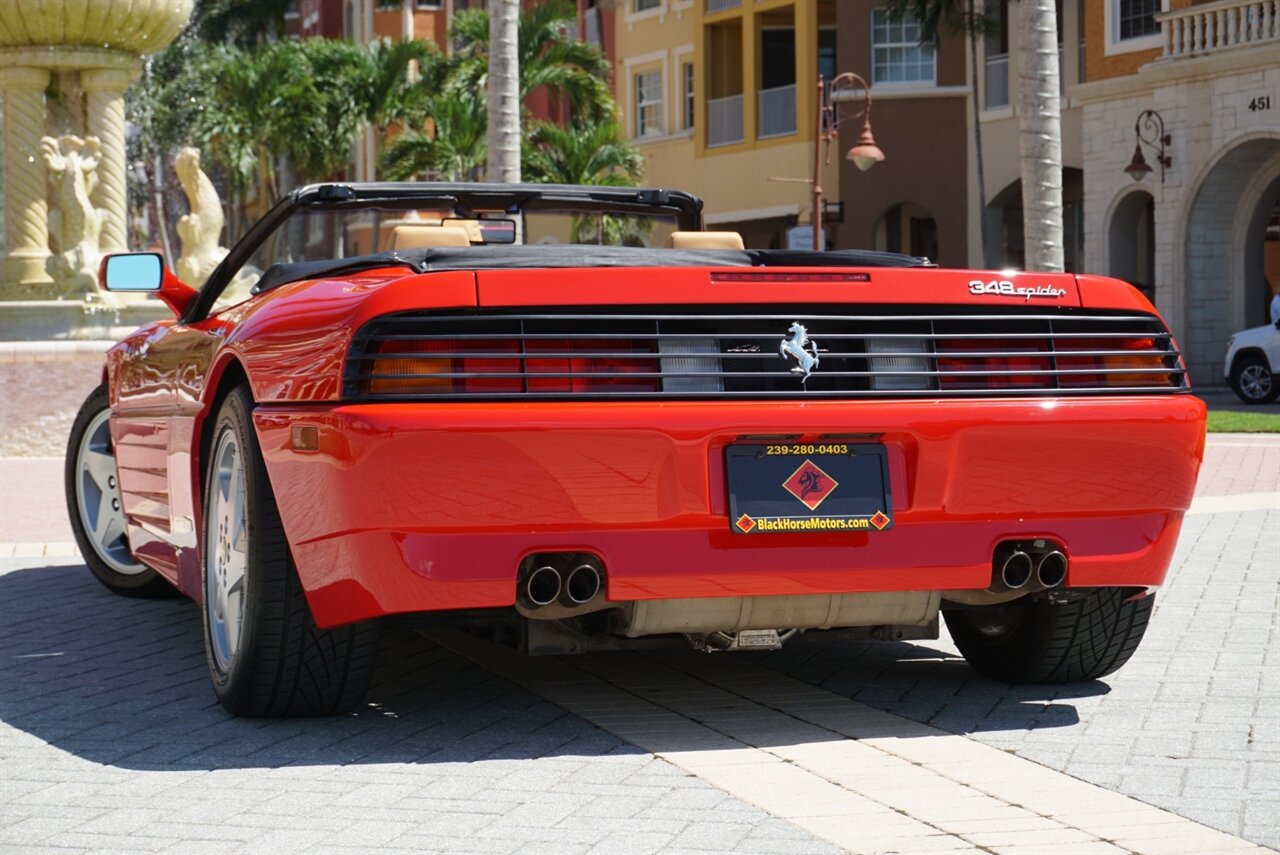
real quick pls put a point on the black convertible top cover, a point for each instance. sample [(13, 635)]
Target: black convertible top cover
[(542, 256)]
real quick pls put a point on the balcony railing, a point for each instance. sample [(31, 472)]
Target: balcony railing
[(997, 81), (777, 111), (1218, 26), (714, 6), (724, 121)]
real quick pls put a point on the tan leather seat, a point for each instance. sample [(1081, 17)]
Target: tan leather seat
[(414, 237), (704, 240)]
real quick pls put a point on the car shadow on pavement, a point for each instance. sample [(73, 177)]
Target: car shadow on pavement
[(929, 685), (123, 682)]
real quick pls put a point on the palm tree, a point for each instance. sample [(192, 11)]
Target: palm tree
[(588, 152), (956, 16), (1040, 135), (452, 145), (504, 92), (548, 58), (583, 153)]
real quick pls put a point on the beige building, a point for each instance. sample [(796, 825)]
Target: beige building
[(721, 98), (1203, 231)]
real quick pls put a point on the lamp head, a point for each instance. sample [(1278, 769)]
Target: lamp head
[(865, 153), (1137, 168)]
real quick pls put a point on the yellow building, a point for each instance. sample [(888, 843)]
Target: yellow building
[(720, 96)]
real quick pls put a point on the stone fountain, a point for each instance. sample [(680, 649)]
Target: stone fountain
[(64, 68)]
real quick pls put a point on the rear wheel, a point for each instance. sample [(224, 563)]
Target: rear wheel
[(1042, 641), (266, 656), (94, 505), (1253, 382)]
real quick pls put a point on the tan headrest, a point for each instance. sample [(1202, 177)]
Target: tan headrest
[(704, 240), (413, 237)]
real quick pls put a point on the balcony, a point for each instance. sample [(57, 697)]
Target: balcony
[(1212, 27), (777, 112), (714, 6), (997, 81), (724, 121)]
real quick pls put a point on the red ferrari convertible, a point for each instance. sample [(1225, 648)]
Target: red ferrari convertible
[(573, 413)]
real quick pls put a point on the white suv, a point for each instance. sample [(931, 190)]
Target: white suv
[(1253, 359)]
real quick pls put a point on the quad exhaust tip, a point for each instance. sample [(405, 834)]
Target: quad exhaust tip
[(1051, 569), (1028, 566), (1015, 572), (581, 585), (554, 585), (543, 585)]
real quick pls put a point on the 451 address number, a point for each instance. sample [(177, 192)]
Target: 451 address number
[(1263, 102)]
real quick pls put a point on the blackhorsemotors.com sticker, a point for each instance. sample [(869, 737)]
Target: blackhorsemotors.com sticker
[(835, 487)]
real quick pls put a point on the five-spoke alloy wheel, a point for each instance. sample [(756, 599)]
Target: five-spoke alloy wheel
[(95, 504)]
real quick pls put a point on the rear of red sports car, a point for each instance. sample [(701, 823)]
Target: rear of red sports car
[(616, 445), (625, 453)]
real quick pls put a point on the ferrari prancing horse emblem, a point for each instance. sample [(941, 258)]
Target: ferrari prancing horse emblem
[(794, 347)]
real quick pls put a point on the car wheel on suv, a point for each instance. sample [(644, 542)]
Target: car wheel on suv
[(1252, 380)]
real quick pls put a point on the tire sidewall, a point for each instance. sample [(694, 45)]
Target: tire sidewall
[(234, 415)]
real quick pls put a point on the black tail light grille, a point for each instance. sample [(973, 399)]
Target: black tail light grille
[(498, 356)]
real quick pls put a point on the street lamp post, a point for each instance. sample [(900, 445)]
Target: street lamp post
[(864, 153)]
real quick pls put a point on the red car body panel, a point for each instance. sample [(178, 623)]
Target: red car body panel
[(421, 506), (445, 500)]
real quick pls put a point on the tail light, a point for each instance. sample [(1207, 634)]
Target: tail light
[(1110, 364), (983, 363), (495, 366), (594, 366)]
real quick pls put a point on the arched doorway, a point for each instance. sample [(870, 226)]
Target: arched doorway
[(908, 228), (1224, 242), (1262, 258), (1005, 247), (1131, 241)]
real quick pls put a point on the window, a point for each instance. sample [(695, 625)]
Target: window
[(428, 4), (1137, 18), (649, 104), (896, 54), (686, 74), (827, 52), (645, 5)]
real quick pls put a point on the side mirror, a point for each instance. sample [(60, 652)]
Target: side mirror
[(131, 272), (144, 272)]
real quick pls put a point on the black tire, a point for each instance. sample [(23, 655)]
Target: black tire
[(272, 660), (105, 549), (1253, 381), (1034, 640)]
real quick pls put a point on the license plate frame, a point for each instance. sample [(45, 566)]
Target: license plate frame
[(819, 487)]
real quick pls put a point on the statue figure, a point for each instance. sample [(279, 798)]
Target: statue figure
[(200, 229), (75, 226)]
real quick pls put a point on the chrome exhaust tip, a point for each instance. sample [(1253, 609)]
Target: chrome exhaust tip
[(1051, 569), (542, 586), (1015, 572), (581, 585)]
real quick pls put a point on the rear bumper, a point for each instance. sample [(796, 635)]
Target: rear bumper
[(416, 507)]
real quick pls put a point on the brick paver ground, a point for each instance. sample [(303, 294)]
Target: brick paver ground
[(1191, 723), (110, 739)]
